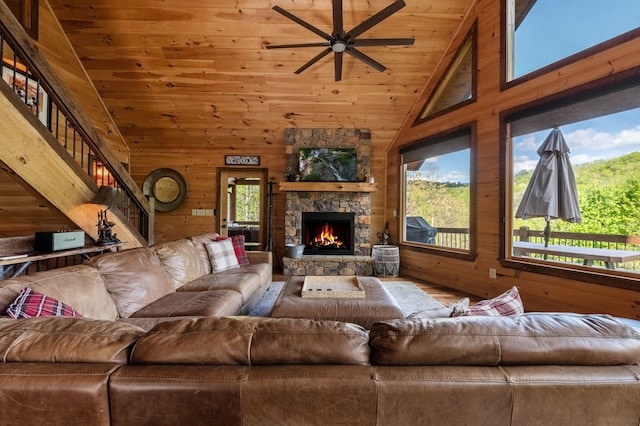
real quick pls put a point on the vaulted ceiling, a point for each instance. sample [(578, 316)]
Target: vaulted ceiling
[(191, 74), (188, 76)]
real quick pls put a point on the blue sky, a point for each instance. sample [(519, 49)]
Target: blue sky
[(553, 30)]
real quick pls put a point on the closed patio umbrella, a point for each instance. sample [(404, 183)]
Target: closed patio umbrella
[(552, 191)]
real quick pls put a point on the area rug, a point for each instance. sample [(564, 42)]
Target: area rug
[(410, 298)]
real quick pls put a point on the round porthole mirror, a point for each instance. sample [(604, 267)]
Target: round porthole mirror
[(168, 187)]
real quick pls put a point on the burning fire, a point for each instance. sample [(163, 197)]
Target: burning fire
[(326, 237)]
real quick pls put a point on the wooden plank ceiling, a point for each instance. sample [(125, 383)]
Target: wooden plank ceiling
[(191, 74), (186, 76)]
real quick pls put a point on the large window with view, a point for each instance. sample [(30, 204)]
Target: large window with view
[(436, 190), (543, 33), (575, 181)]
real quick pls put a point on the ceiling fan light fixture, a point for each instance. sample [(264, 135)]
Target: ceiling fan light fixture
[(339, 46)]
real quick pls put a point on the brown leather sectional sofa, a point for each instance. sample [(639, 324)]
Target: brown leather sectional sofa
[(145, 286), (532, 369)]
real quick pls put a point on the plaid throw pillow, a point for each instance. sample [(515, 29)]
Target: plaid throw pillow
[(238, 248), (508, 303), (31, 303), (222, 255)]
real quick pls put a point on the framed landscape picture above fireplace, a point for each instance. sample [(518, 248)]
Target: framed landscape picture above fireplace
[(328, 164)]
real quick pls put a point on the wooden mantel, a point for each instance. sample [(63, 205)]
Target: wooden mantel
[(328, 186)]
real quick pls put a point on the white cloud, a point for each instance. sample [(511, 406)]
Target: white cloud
[(455, 176), (528, 143), (523, 163), (586, 145), (592, 140)]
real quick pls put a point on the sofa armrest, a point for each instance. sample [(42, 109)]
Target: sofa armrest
[(260, 257)]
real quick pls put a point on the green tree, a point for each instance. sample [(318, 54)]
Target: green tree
[(247, 203), (441, 204)]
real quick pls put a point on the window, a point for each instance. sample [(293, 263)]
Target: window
[(601, 127), (544, 32), (241, 204), (458, 86), (437, 193)]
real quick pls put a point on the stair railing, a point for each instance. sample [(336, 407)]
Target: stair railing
[(28, 83)]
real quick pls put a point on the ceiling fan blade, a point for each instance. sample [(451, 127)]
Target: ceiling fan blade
[(338, 65), (280, 46), (305, 24), (376, 19), (366, 59), (314, 60), (383, 42), (338, 25)]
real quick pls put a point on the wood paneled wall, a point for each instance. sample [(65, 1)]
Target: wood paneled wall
[(539, 292), (189, 82), (200, 169)]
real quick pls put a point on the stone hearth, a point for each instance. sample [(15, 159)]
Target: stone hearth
[(328, 265)]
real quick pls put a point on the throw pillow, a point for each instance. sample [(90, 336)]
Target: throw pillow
[(31, 303), (238, 247), (508, 303), (222, 255), (441, 311)]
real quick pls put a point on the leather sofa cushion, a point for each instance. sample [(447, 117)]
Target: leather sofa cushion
[(199, 242), (135, 278), (79, 286), (64, 339), (253, 341), (240, 280), (181, 261), (55, 394), (260, 257), (528, 339), (193, 304)]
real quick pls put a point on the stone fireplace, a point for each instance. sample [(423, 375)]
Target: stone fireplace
[(355, 204), (349, 210)]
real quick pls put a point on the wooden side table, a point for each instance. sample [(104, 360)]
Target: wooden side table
[(20, 265)]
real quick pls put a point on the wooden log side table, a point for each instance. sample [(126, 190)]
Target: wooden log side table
[(377, 304)]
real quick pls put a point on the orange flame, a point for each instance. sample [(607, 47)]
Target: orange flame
[(326, 237)]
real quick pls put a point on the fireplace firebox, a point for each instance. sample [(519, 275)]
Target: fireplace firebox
[(328, 233)]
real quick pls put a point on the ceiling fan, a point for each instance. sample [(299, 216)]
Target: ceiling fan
[(340, 42)]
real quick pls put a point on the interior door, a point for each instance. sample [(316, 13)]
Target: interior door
[(241, 205)]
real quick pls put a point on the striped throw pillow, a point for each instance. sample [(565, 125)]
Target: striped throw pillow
[(222, 255), (31, 303), (508, 303)]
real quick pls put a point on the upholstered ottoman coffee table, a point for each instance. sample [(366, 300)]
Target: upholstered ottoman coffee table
[(377, 304)]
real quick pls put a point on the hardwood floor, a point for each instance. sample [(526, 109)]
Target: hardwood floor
[(442, 294)]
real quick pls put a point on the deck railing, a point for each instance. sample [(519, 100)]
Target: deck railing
[(458, 238), (27, 83)]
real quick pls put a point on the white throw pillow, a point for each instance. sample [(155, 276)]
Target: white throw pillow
[(222, 255)]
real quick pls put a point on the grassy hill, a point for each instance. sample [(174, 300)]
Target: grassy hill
[(609, 193), (601, 172)]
